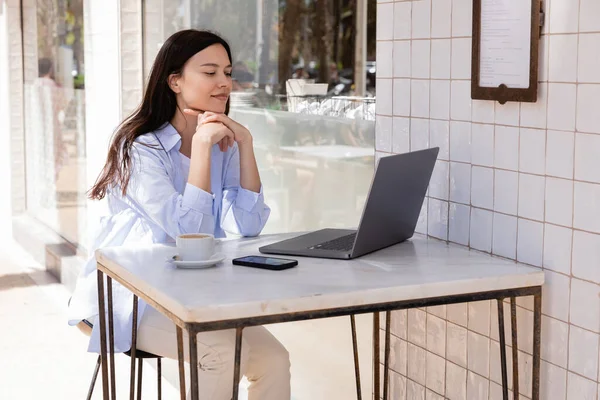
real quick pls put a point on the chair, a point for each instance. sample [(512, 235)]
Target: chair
[(86, 326)]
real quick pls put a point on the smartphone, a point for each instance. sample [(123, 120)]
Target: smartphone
[(270, 263)]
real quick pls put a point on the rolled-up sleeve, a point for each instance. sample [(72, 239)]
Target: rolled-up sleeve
[(152, 190), (244, 212)]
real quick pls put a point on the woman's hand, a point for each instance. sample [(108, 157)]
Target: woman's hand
[(241, 135), (211, 133)]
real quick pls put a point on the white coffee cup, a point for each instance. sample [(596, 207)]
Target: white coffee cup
[(195, 246)]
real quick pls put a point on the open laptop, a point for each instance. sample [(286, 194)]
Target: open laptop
[(389, 217)]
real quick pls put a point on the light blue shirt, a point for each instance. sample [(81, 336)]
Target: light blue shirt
[(159, 205)]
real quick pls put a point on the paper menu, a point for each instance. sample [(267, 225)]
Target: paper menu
[(505, 43)]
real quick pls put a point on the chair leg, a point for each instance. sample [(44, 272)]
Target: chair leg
[(159, 375), (140, 364), (94, 377)]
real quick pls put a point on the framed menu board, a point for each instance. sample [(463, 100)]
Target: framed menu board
[(505, 47)]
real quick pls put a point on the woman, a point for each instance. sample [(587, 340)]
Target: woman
[(179, 165)]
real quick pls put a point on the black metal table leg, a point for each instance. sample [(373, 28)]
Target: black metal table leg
[(133, 348), (159, 377), (94, 377), (515, 347), (502, 348), (386, 356), (376, 356), (237, 362), (181, 361), (139, 379), (102, 320), (537, 340), (111, 338), (355, 350), (193, 363)]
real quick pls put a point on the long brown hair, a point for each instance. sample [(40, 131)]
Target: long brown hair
[(158, 107)]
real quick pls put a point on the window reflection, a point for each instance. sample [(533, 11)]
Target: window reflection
[(55, 115)]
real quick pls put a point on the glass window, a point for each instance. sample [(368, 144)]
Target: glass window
[(55, 115), (293, 72)]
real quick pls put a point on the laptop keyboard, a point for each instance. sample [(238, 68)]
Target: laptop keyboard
[(343, 243)]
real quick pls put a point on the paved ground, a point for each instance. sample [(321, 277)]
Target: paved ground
[(41, 356)]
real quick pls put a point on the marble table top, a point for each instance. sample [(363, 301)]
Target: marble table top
[(415, 269)]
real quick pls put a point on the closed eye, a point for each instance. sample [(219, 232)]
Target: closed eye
[(214, 73)]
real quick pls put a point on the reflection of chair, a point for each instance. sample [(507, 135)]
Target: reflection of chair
[(86, 327)]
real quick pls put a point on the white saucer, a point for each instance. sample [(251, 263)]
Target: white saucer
[(215, 259)]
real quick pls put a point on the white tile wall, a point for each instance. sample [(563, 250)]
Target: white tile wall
[(419, 98), (456, 344), (440, 58), (585, 307), (586, 256), (459, 223), (589, 17), (421, 19), (441, 12), (531, 196), (563, 58), (482, 185), (588, 118), (436, 335), (579, 388), (532, 151), (507, 114), (482, 144), (439, 135), (481, 229), (582, 343), (530, 243), (587, 162), (461, 60), (562, 99), (385, 21), (560, 154), (504, 242), (506, 191), (553, 383), (401, 97), (506, 146), (401, 59), (456, 381), (532, 192), (420, 58), (587, 207), (440, 99), (557, 248), (564, 16), (589, 58), (385, 67), (460, 141), (559, 201), (436, 373)]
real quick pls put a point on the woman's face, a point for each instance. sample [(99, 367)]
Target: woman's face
[(205, 82)]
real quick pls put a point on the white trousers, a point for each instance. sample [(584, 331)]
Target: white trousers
[(264, 362)]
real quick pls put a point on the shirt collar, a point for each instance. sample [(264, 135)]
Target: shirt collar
[(168, 136)]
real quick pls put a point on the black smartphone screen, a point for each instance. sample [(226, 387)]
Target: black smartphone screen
[(271, 263)]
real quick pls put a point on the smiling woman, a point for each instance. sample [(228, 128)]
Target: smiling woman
[(179, 165)]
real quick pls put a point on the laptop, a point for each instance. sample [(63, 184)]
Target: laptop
[(389, 217)]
